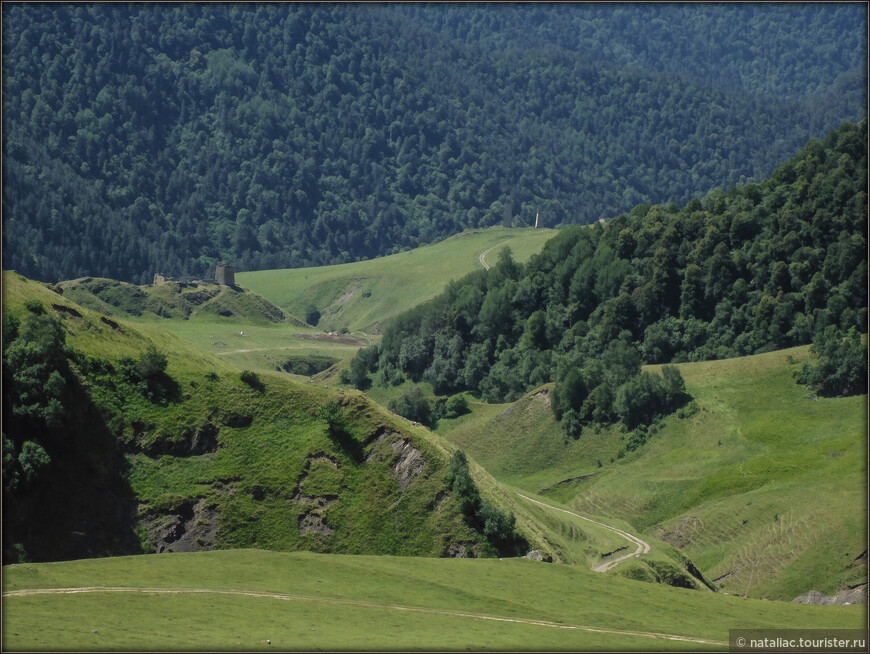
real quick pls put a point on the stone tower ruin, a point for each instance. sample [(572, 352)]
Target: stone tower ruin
[(225, 275)]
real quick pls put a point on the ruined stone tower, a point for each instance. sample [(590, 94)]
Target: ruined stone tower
[(507, 219), (225, 275)]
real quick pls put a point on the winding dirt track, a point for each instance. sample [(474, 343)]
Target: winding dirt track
[(642, 546), (482, 257), (347, 602)]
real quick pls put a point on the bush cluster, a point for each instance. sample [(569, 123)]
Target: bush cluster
[(498, 527), (744, 271)]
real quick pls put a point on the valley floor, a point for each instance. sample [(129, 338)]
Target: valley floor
[(253, 600)]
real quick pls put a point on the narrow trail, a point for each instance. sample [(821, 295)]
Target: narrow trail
[(642, 546), (365, 336), (482, 257), (359, 603)]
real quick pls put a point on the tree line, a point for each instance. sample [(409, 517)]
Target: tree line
[(756, 268)]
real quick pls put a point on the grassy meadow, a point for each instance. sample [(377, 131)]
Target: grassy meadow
[(258, 347), (361, 296), (260, 328), (257, 600), (762, 484)]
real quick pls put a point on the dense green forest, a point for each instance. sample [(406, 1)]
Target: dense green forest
[(751, 269), (748, 46), (143, 137)]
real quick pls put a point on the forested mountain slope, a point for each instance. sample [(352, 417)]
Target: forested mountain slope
[(748, 46), (757, 268), (141, 137)]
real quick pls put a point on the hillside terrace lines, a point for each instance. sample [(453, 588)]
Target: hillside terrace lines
[(359, 603), (642, 546)]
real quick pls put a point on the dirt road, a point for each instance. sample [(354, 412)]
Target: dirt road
[(348, 602), (482, 257), (642, 546)]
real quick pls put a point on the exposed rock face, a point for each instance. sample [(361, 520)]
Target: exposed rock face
[(191, 443), (410, 463), (538, 555), (314, 518), (857, 595), (311, 521), (69, 311), (458, 551), (439, 501), (203, 441), (192, 528)]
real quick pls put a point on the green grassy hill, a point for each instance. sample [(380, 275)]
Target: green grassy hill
[(244, 327), (361, 296), (198, 459), (761, 483), (212, 462), (254, 600), (174, 300)]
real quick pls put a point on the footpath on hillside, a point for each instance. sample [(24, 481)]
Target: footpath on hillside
[(349, 602), (642, 546)]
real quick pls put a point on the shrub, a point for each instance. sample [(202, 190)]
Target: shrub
[(32, 459), (842, 365), (151, 363), (333, 414), (35, 368), (253, 380), (498, 527), (464, 489), (312, 315), (456, 406), (412, 405), (357, 374)]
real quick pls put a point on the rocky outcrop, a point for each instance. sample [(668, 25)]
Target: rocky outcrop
[(191, 442), (409, 464), (313, 519), (854, 595), (190, 528), (538, 555), (313, 522), (458, 551)]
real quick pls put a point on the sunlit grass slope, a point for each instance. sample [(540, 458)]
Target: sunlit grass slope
[(248, 346), (764, 487), (306, 601), (244, 327), (362, 295), (275, 477)]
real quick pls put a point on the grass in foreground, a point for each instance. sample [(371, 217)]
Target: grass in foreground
[(335, 602)]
